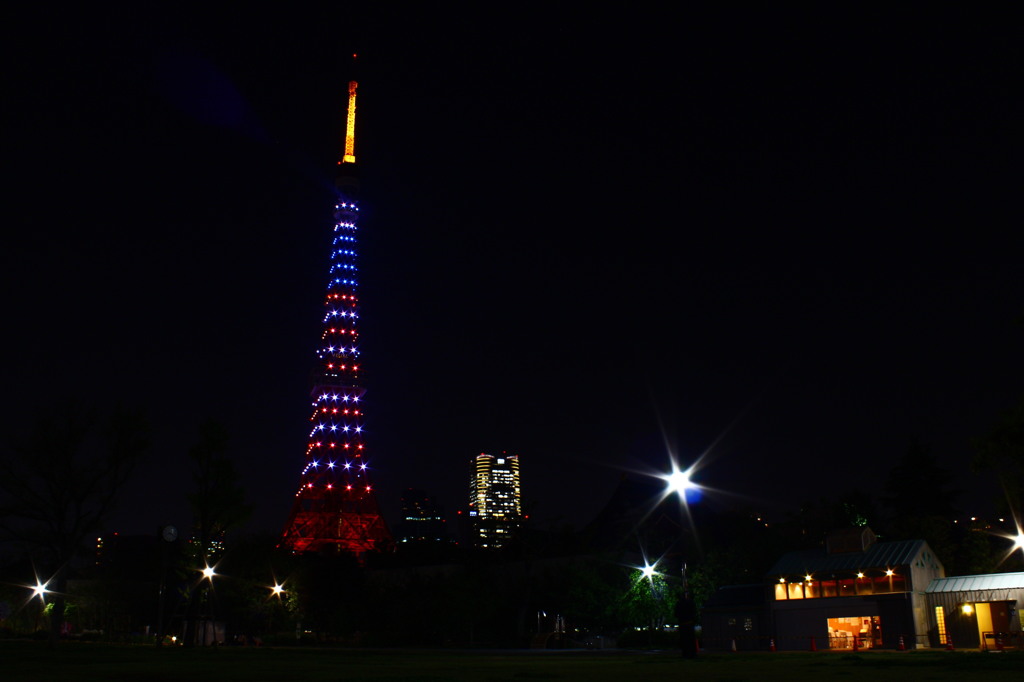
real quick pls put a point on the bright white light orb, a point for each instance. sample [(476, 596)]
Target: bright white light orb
[(679, 482)]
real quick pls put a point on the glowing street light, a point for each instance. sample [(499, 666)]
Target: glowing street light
[(208, 573), (40, 590), (648, 570), (1016, 541), (679, 482), (277, 590)]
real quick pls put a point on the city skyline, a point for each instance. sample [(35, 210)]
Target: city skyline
[(784, 240)]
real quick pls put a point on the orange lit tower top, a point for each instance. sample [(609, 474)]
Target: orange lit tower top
[(349, 155), (335, 509)]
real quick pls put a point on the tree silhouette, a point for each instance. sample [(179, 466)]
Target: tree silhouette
[(1002, 451), (920, 501), (918, 486), (218, 505), (59, 486)]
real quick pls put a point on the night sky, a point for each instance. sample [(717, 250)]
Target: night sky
[(790, 239)]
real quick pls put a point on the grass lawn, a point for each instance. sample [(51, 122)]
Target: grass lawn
[(88, 662)]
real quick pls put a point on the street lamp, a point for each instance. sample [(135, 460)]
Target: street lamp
[(679, 483), (40, 590)]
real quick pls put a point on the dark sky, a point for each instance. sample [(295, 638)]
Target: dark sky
[(794, 236)]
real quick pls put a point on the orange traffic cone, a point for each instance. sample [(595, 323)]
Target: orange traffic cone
[(949, 643), (814, 646), (771, 644)]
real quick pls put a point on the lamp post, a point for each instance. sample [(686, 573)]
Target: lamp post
[(209, 625), (169, 534), (679, 483)]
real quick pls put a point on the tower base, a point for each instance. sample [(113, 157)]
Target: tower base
[(353, 528)]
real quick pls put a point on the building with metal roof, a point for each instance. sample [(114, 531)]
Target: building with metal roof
[(854, 593), (985, 611)]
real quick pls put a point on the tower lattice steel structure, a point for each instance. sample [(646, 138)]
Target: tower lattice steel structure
[(335, 508)]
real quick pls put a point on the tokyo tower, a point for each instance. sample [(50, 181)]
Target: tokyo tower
[(335, 509)]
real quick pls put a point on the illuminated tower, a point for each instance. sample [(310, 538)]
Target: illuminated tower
[(495, 507), (335, 509)]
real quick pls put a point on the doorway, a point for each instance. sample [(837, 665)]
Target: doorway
[(862, 632), (992, 617)]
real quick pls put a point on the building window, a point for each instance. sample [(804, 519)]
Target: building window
[(865, 630), (796, 591), (940, 618), (780, 591)]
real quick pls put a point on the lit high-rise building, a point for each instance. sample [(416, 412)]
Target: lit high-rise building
[(495, 500)]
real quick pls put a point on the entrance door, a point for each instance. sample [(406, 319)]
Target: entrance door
[(983, 615), (993, 617)]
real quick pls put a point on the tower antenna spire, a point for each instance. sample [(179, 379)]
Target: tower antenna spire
[(349, 155)]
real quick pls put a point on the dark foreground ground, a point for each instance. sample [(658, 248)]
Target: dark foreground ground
[(86, 662)]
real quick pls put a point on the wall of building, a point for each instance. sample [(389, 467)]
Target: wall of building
[(795, 622), (925, 568)]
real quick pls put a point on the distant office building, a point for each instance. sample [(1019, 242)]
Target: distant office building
[(495, 500), (422, 519)]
